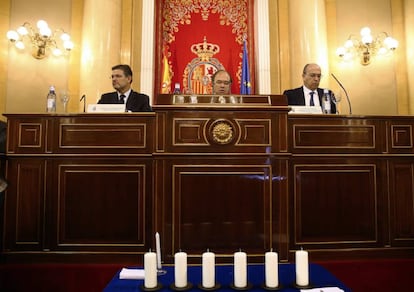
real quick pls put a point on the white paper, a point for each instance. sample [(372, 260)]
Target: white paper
[(106, 108), (132, 274), (323, 289), (301, 109)]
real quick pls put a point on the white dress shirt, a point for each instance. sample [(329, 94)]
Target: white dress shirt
[(306, 92)]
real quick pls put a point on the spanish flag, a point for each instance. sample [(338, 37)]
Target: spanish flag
[(166, 76)]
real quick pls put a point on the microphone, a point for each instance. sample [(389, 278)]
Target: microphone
[(346, 93), (84, 101)]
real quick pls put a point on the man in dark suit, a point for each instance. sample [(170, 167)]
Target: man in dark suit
[(309, 94), (121, 81)]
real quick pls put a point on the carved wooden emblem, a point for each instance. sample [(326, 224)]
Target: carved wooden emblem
[(222, 132)]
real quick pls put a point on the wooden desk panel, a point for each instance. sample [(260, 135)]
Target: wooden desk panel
[(401, 179), (401, 132), (337, 203), (85, 189), (221, 131), (223, 204), (320, 134)]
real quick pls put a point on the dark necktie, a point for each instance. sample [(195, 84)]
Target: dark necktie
[(312, 103), (122, 99)]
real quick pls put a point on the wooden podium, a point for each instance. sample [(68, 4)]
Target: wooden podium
[(223, 167), (229, 173)]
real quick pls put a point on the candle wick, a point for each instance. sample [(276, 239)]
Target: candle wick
[(208, 250), (271, 249)]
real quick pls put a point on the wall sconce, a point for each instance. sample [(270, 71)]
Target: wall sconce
[(367, 46), (41, 39)]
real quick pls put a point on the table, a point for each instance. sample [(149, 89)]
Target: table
[(318, 276)]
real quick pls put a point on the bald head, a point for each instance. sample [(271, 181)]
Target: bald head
[(311, 76)]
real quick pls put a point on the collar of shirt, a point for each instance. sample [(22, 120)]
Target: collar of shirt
[(306, 92), (126, 95)]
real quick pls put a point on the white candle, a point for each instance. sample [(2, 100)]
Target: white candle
[(302, 268), (272, 269), (158, 250), (240, 269), (180, 269), (208, 266), (150, 270)]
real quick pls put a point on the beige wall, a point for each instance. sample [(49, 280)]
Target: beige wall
[(372, 88), (384, 87), (28, 79)]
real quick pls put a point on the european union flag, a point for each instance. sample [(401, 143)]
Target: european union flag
[(245, 86)]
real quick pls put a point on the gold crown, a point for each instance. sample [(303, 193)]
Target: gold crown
[(205, 50)]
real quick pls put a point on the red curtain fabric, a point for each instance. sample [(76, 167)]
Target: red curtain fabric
[(199, 37)]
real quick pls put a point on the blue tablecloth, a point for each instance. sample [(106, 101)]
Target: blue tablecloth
[(318, 277)]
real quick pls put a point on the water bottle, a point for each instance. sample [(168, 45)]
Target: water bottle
[(51, 100), (326, 102), (177, 89)]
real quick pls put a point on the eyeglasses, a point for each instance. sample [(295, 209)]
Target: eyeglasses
[(313, 75), (219, 82)]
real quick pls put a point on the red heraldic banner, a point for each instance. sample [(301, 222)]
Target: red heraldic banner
[(199, 37)]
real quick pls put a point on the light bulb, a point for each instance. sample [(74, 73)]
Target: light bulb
[(391, 43), (394, 44), (65, 36), (41, 24), (382, 51), (365, 31), (20, 45), (349, 44), (45, 32), (22, 30), (367, 39), (12, 35), (340, 51), (68, 45), (57, 52)]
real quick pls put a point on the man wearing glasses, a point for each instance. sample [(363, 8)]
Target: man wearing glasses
[(121, 82), (309, 94)]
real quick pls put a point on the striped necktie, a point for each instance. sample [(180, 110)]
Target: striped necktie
[(122, 98)]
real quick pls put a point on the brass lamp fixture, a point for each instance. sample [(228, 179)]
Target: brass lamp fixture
[(367, 47), (42, 39)]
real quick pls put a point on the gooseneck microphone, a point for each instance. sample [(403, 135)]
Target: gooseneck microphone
[(84, 102), (346, 93)]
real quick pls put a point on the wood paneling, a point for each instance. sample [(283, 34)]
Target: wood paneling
[(223, 205), (345, 198), (81, 184), (335, 135), (101, 204), (402, 202), (25, 198), (96, 187)]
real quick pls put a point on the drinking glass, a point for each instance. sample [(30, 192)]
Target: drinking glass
[(64, 98)]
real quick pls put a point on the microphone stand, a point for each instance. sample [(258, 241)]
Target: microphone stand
[(346, 93), (84, 102)]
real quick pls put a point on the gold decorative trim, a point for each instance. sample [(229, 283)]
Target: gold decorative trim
[(222, 132), (232, 12)]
